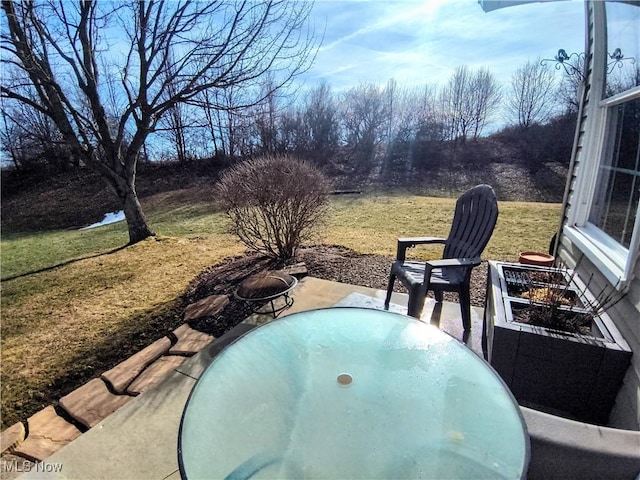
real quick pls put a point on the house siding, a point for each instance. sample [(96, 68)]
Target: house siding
[(626, 316), (582, 112), (626, 313)]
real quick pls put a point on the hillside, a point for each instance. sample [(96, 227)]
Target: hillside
[(77, 198), (31, 202)]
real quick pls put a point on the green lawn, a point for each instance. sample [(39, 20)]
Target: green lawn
[(372, 224)]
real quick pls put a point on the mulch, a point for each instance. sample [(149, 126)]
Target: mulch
[(328, 262)]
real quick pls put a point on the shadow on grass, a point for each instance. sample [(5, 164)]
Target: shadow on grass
[(21, 399), (63, 264)]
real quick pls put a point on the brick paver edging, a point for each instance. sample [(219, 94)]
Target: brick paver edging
[(50, 429)]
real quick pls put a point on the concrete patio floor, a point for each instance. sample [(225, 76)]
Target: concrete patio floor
[(139, 440)]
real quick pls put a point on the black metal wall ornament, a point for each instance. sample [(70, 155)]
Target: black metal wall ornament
[(573, 63), (616, 60)]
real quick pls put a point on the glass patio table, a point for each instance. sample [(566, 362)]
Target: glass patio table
[(351, 393)]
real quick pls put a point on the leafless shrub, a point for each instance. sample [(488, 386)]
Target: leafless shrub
[(274, 203)]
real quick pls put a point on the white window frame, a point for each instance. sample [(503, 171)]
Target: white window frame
[(611, 258)]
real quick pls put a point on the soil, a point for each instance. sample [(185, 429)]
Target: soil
[(551, 295), (565, 321), (551, 302)]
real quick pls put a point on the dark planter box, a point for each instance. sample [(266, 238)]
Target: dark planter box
[(572, 375)]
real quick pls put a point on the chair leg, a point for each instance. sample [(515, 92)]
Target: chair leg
[(392, 280), (465, 309), (416, 302), (438, 295)]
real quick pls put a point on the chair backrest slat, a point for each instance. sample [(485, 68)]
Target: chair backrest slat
[(473, 222)]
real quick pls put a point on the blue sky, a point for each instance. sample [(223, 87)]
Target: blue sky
[(423, 41)]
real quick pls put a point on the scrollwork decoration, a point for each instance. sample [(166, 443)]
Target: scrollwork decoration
[(616, 60), (573, 64)]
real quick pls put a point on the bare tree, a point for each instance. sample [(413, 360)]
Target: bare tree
[(321, 123), (212, 121), (217, 106), (175, 123), (533, 94), (364, 115), (217, 45), (484, 99), (455, 103), (431, 128), (265, 118), (468, 102), (407, 108), (429, 117), (391, 96), (11, 139), (292, 133), (229, 119), (32, 139)]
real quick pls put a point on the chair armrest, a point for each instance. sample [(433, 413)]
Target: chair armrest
[(455, 262), (463, 263), (410, 242)]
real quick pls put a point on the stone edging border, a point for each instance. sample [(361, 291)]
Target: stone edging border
[(50, 429)]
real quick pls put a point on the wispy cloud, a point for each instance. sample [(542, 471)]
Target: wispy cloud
[(424, 41), (389, 16)]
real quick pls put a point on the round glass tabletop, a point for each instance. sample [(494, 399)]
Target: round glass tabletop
[(351, 393)]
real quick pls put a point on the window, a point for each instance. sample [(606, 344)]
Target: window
[(605, 219), (623, 47), (615, 203)]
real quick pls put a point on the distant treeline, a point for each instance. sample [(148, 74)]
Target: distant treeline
[(386, 127)]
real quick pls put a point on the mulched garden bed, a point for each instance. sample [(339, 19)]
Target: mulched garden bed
[(329, 262)]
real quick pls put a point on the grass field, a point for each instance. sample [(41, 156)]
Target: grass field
[(75, 303)]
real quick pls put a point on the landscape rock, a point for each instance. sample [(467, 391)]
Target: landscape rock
[(154, 373), (48, 433), (190, 341), (12, 437), (207, 307), (120, 376), (92, 402)]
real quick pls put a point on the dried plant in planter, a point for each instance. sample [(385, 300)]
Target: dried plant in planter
[(556, 301)]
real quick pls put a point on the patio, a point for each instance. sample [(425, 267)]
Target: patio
[(139, 440)]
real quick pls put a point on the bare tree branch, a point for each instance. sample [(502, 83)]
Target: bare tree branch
[(168, 53), (533, 91)]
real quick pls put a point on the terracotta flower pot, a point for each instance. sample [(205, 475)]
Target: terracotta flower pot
[(537, 258)]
